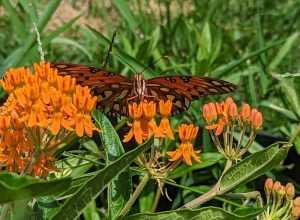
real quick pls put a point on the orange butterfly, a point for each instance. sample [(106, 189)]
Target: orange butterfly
[(114, 90)]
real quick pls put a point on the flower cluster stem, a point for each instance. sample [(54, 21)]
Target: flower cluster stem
[(134, 196), (211, 193)]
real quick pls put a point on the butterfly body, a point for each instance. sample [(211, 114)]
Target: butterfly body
[(114, 90)]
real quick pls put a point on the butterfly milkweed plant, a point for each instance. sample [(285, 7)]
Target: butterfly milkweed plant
[(46, 174)]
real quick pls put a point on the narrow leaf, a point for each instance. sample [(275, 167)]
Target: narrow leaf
[(14, 187), (76, 204), (233, 64), (120, 188)]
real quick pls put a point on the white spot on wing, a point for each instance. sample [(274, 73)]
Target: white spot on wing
[(217, 83), (115, 86), (212, 90), (170, 97)]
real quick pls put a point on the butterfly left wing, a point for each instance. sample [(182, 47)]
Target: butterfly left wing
[(181, 90), (111, 89)]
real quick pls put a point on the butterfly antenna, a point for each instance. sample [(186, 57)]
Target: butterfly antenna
[(109, 49), (123, 61), (163, 57)]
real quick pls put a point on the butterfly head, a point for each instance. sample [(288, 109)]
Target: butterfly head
[(139, 86)]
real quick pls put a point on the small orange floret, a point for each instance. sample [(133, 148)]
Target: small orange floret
[(165, 108), (257, 120), (187, 133), (222, 111), (135, 112), (245, 113)]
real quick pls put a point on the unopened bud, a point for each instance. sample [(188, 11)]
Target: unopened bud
[(245, 113), (209, 112), (253, 111), (257, 120), (290, 191), (276, 186), (281, 192), (296, 212), (228, 101), (296, 202), (232, 111), (269, 184)]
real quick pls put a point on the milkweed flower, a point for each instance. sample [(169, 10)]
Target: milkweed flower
[(281, 203), (165, 108), (187, 133), (135, 112), (223, 118), (144, 124), (42, 110)]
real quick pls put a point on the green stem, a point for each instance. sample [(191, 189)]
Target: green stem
[(211, 193), (157, 197), (217, 144), (295, 135), (29, 165), (5, 210), (249, 143), (238, 147), (134, 196)]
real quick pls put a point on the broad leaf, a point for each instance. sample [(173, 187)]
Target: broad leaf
[(76, 204), (220, 71), (254, 166), (208, 213), (14, 187), (117, 196)]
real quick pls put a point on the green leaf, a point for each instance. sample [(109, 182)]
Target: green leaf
[(284, 50), (208, 159), (254, 166), (17, 23), (120, 188), (207, 213), (233, 64), (129, 59), (17, 55), (126, 13), (14, 187), (70, 42), (76, 204)]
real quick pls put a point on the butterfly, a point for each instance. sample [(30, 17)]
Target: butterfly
[(114, 90)]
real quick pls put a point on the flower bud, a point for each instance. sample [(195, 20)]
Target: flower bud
[(281, 192), (256, 120), (253, 111), (209, 112), (213, 110), (228, 101), (290, 191), (297, 201), (296, 212), (269, 184), (232, 111), (276, 186), (245, 113)]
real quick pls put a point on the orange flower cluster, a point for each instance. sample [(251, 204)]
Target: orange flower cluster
[(144, 126), (217, 115), (187, 133), (281, 201), (41, 110), (223, 118)]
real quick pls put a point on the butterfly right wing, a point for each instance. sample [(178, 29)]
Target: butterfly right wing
[(111, 89)]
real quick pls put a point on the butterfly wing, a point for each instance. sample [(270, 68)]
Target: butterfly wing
[(111, 89), (181, 90)]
